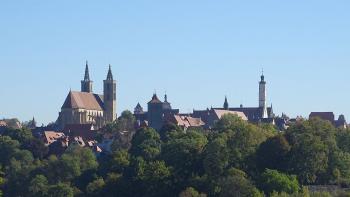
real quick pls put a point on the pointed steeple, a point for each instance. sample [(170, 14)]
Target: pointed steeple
[(33, 123), (86, 83), (138, 109), (110, 75), (87, 75), (226, 106), (110, 97)]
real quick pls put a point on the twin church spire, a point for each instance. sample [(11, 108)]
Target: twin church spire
[(86, 83), (109, 93)]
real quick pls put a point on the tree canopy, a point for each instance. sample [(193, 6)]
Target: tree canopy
[(236, 158)]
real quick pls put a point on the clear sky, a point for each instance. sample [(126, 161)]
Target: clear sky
[(197, 51)]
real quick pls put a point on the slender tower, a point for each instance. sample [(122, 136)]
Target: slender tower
[(262, 96), (109, 97), (226, 106), (86, 84)]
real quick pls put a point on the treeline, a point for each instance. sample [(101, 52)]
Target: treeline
[(235, 159)]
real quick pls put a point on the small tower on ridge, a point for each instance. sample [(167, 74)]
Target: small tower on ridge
[(226, 106)]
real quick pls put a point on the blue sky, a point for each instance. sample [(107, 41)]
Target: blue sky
[(197, 51)]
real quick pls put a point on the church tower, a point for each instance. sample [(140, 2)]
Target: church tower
[(262, 96), (86, 84), (109, 97)]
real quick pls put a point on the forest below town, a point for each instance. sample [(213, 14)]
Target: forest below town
[(236, 158)]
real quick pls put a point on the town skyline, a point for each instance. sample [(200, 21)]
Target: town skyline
[(198, 52), (97, 85)]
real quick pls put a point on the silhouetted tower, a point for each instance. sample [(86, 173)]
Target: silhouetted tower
[(226, 106), (155, 112), (262, 96), (86, 84), (109, 97)]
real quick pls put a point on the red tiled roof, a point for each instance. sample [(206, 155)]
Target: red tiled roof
[(52, 136), (83, 100), (187, 121), (3, 123)]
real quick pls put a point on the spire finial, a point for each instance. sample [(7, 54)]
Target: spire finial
[(262, 74), (110, 75), (86, 76), (165, 97)]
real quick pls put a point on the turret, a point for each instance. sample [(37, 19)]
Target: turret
[(86, 84), (138, 109), (109, 97)]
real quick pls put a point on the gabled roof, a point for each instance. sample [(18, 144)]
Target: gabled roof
[(220, 113), (83, 100), (195, 122), (186, 121), (323, 115)]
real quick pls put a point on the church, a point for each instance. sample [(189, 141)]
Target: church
[(87, 107)]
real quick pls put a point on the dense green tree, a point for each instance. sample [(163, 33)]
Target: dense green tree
[(8, 148), (191, 192), (152, 178), (273, 154), (37, 147), (61, 190), (338, 168), (216, 157), (243, 139), (236, 184), (169, 130), (21, 135), (85, 156), (343, 140), (146, 143), (183, 152), (70, 165), (95, 188), (38, 186), (312, 142), (274, 181), (119, 161)]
